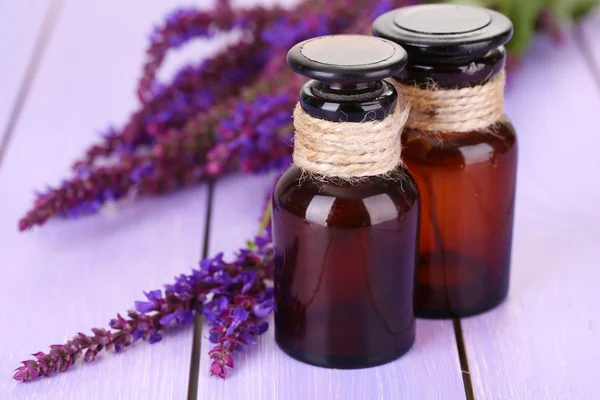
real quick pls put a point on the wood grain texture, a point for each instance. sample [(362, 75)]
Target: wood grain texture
[(431, 370), (590, 34), (71, 276), (20, 25), (543, 342)]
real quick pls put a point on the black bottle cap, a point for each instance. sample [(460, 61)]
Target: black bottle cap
[(347, 58), (444, 31)]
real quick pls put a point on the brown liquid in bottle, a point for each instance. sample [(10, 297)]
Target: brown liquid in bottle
[(345, 268), (467, 186)]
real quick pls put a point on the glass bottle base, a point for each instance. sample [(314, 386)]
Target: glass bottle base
[(342, 362), (454, 285), (461, 312)]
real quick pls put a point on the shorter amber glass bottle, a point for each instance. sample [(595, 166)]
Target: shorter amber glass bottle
[(345, 251), (467, 177)]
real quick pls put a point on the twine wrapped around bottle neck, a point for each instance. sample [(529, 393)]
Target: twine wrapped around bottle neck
[(434, 109), (348, 150)]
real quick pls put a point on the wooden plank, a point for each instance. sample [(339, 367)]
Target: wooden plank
[(71, 276), (542, 343), (588, 38), (20, 26), (430, 370)]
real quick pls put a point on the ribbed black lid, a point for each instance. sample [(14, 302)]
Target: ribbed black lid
[(347, 58), (444, 30)]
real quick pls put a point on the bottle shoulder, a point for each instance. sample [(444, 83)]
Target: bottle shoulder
[(460, 148), (342, 204)]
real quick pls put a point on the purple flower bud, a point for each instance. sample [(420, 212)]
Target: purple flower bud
[(213, 336), (262, 241), (65, 363), (213, 309), (115, 324), (240, 314), (44, 367), (100, 332), (248, 337), (217, 369), (267, 294), (90, 354), (32, 368), (155, 337), (248, 278), (22, 375), (181, 285), (212, 265), (126, 340), (154, 295), (228, 360), (186, 317), (105, 340), (137, 334), (145, 306), (263, 309), (142, 327), (81, 339), (142, 171), (262, 327), (215, 352), (164, 321)]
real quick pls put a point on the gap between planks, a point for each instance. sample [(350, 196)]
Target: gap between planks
[(464, 362), (196, 349), (41, 43)]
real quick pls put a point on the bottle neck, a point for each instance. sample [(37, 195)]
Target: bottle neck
[(455, 97), (348, 102), (348, 92), (455, 73)]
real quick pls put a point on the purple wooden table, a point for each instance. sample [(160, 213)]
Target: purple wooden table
[(69, 67)]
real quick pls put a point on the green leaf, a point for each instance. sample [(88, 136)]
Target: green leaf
[(573, 9), (524, 15), (251, 245)]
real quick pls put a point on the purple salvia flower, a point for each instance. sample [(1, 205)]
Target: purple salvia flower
[(174, 139), (248, 278), (218, 369), (153, 304), (213, 309), (239, 316), (230, 315), (263, 309), (155, 337)]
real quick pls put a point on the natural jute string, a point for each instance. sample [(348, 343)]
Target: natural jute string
[(348, 150), (434, 109)]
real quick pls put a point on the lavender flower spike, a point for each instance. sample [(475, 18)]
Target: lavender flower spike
[(241, 298)]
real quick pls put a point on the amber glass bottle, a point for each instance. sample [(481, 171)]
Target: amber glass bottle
[(345, 252), (466, 179)]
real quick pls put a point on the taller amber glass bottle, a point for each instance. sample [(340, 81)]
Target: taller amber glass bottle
[(345, 249), (466, 179)]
